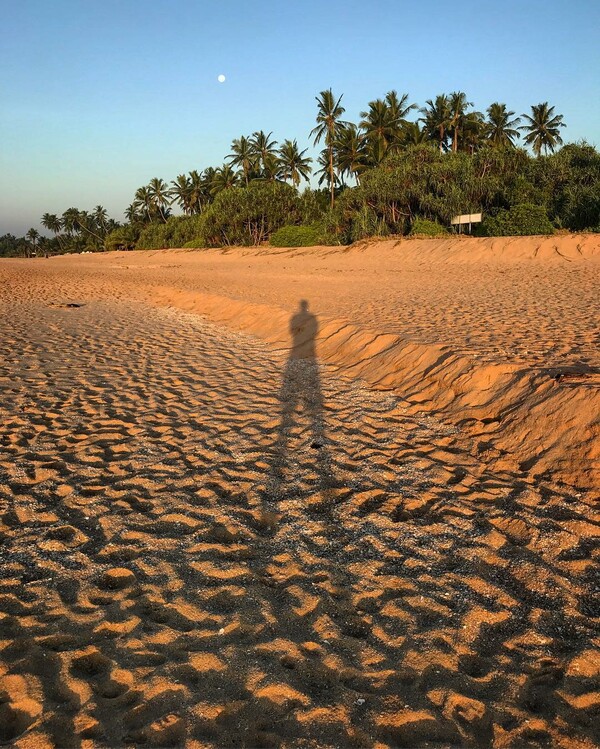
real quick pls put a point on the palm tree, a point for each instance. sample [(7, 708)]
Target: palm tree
[(324, 173), (244, 155), (351, 152), (458, 105), (293, 164), (32, 237), (70, 221), (207, 177), (111, 225), (87, 223), (501, 130), (399, 107), (380, 128), (132, 214), (271, 171), (329, 124), (198, 194), (223, 178), (436, 119), (473, 129), (143, 204), (101, 218), (52, 223), (413, 135), (261, 148), (158, 191), (180, 192), (543, 128)]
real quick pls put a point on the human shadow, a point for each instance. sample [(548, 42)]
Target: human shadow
[(302, 410)]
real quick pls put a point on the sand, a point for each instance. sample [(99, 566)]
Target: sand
[(215, 531)]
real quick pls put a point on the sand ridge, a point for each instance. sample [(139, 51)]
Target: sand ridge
[(187, 560), (499, 336)]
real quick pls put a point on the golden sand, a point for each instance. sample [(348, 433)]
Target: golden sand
[(375, 529)]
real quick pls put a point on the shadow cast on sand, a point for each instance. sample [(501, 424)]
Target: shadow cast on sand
[(302, 407), (156, 593)]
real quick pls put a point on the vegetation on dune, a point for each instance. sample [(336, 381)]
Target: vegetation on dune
[(388, 174), (297, 236), (520, 220), (423, 227)]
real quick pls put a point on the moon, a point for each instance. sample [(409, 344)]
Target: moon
[(221, 78)]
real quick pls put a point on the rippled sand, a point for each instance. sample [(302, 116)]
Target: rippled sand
[(209, 541)]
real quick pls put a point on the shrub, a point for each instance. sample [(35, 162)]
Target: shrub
[(296, 236), (175, 232), (184, 229), (425, 227), (194, 244), (314, 204), (576, 204), (154, 236), (521, 220), (122, 238), (248, 215)]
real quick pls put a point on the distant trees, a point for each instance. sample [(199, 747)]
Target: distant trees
[(75, 231), (409, 169), (12, 246)]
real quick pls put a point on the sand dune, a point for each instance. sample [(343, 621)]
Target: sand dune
[(209, 537)]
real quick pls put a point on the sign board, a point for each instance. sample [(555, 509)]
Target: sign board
[(466, 218)]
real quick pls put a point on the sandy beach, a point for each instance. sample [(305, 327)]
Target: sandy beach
[(324, 497)]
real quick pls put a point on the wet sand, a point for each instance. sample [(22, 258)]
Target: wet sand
[(215, 531)]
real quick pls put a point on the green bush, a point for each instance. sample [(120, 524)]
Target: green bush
[(193, 244), (421, 181), (248, 215), (521, 220), (154, 236), (122, 238), (425, 227), (314, 204), (184, 229), (576, 204), (296, 236), (175, 232)]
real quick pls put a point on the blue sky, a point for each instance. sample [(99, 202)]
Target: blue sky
[(99, 97)]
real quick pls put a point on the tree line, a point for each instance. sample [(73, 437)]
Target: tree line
[(375, 177)]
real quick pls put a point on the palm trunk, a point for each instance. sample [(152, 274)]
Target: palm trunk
[(89, 231), (331, 187)]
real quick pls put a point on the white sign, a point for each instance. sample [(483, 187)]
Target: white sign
[(467, 218)]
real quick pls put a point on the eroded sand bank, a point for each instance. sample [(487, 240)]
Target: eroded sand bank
[(498, 336), (213, 538)]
